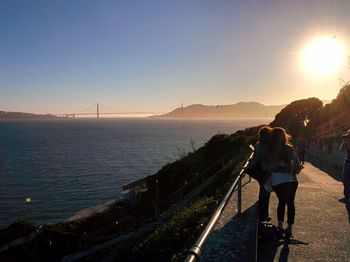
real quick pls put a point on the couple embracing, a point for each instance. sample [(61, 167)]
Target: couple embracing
[(277, 160)]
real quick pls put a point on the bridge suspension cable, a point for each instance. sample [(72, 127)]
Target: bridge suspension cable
[(108, 107), (95, 109), (92, 107)]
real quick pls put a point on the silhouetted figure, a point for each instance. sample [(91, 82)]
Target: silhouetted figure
[(262, 156), (283, 177), (301, 148), (345, 147)]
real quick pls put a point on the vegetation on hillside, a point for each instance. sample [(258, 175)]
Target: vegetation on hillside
[(219, 151), (185, 226), (310, 118), (299, 116), (339, 105), (169, 241)]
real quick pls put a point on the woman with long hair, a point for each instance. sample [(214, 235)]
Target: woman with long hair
[(283, 177)]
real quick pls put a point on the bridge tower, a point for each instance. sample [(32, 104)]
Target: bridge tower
[(98, 111)]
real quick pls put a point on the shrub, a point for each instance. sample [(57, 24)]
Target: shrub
[(168, 241)]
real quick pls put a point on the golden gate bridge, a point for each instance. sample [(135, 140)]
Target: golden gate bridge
[(95, 111)]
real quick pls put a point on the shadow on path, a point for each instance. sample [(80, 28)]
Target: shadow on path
[(269, 249), (234, 241)]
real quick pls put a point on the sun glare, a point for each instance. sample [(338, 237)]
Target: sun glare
[(323, 56)]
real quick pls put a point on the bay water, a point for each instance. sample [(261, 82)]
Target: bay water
[(50, 169)]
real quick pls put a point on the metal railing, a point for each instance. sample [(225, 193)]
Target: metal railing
[(196, 250)]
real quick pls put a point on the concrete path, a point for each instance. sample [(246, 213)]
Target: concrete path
[(322, 229), (234, 236)]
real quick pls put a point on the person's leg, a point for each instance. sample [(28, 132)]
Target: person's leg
[(264, 199), (291, 206), (281, 195)]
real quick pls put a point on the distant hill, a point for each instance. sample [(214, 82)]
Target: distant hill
[(238, 110), (23, 116)]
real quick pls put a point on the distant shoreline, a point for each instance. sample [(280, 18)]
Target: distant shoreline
[(4, 115), (240, 110), (133, 118)]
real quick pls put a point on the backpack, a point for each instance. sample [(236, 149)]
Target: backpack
[(267, 231)]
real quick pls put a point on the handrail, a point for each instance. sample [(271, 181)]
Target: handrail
[(196, 250)]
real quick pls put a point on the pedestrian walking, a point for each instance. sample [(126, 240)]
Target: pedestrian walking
[(345, 147)]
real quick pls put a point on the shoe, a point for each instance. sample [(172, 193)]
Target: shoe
[(268, 219), (280, 233), (343, 200), (287, 235)]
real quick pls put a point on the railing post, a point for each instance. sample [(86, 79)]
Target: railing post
[(239, 198)]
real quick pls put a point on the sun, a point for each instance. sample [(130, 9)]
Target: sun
[(323, 56)]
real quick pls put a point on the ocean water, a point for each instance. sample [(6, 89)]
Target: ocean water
[(50, 169)]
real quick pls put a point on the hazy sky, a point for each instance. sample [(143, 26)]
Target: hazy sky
[(63, 56)]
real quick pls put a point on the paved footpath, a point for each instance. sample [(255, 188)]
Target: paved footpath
[(322, 229), (234, 236)]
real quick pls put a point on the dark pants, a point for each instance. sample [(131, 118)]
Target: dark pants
[(264, 199), (346, 179), (286, 194)]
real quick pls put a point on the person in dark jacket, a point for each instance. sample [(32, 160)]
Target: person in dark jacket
[(345, 148), (262, 156), (301, 148)]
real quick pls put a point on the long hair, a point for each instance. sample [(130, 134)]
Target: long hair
[(264, 134), (280, 142)]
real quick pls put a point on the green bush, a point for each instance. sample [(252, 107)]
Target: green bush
[(168, 241)]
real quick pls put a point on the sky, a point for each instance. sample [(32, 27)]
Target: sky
[(152, 56)]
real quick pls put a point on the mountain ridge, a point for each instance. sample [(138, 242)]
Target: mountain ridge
[(5, 115), (237, 110)]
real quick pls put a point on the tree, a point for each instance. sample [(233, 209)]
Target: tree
[(300, 116)]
